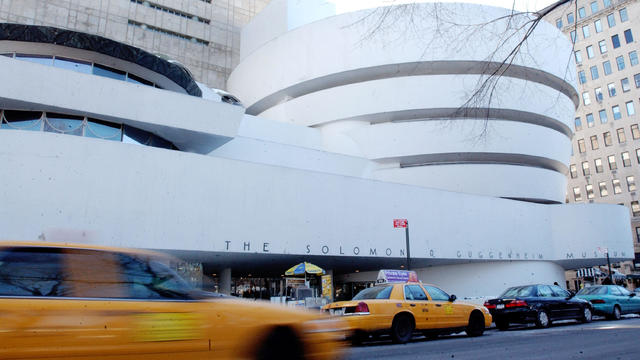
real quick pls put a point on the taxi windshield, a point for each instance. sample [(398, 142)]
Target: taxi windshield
[(376, 292)]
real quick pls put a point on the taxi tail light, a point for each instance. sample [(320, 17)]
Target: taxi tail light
[(361, 308), (489, 306), (517, 303), (597, 301)]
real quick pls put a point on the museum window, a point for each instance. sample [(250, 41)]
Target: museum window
[(590, 53), (598, 25), (570, 18), (621, 137), (635, 208), (603, 46), (617, 188), (602, 114), (602, 186), (611, 20), (581, 147), (612, 162), (617, 115), (585, 31), (582, 77), (607, 67), (585, 168), (628, 36), (598, 163), (578, 55), (620, 62), (615, 41), (607, 139), (626, 86), (577, 196), (611, 87), (559, 23), (631, 110), (594, 142), (585, 98), (635, 132), (590, 120), (633, 58), (631, 183), (573, 170), (626, 159), (594, 72), (594, 7), (578, 124), (623, 15), (590, 194)]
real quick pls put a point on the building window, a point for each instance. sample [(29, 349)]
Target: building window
[(616, 112), (607, 67), (582, 77), (570, 18), (630, 108), (582, 13), (621, 138), (620, 62), (581, 148), (585, 98), (617, 188), (603, 46), (611, 20), (635, 132), (631, 183), (598, 26), (590, 120), (607, 139), (594, 142), (590, 53), (626, 86), (577, 196), (623, 15), (599, 96), (578, 55), (612, 162), (607, 3), (637, 237), (626, 159), (628, 36), (585, 168), (598, 163), (638, 155), (594, 7), (603, 189), (578, 123), (636, 79), (585, 31), (590, 194), (615, 41), (611, 87), (573, 170), (635, 208), (594, 72), (603, 115), (633, 58), (559, 23)]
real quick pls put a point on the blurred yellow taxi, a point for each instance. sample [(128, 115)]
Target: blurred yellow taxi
[(399, 305), (60, 301)]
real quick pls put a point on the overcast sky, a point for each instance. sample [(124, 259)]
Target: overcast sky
[(522, 5)]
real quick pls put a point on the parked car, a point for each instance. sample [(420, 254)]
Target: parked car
[(400, 308), (611, 301), (83, 302), (539, 304)]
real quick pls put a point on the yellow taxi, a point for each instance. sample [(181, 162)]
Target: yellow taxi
[(60, 301), (398, 305)]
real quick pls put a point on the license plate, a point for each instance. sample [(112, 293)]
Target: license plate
[(500, 306), (337, 311)]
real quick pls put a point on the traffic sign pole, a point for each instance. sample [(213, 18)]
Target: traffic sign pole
[(406, 231)]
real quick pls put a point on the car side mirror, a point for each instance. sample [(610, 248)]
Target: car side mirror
[(632, 294), (452, 298)]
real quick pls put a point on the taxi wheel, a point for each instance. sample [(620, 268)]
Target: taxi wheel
[(476, 324), (402, 328), (281, 344)]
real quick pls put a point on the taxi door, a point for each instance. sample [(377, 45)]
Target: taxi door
[(416, 298), (443, 311)]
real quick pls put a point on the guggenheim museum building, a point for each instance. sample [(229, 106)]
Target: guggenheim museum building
[(345, 122)]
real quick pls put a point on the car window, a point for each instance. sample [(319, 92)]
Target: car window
[(376, 292), (518, 291), (544, 291), (149, 279), (593, 290), (623, 291), (436, 294), (414, 292), (559, 292), (32, 272), (613, 290), (92, 274)]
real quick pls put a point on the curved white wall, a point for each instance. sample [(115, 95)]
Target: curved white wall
[(384, 95)]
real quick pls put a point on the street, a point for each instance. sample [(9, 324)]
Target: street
[(597, 340)]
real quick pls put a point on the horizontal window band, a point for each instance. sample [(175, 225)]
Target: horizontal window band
[(481, 158), (448, 114), (420, 68), (168, 32)]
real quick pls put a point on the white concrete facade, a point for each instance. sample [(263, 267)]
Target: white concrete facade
[(258, 191)]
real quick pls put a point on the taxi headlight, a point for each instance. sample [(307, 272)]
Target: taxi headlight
[(324, 326)]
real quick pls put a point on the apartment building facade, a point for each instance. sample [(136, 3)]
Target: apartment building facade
[(605, 161), (203, 35)]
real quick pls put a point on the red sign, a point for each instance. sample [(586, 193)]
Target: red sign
[(399, 223)]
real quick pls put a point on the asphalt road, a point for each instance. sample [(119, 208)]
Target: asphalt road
[(610, 340)]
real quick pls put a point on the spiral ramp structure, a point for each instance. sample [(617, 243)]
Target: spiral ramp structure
[(406, 93)]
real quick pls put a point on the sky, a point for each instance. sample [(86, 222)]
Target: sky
[(343, 6)]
